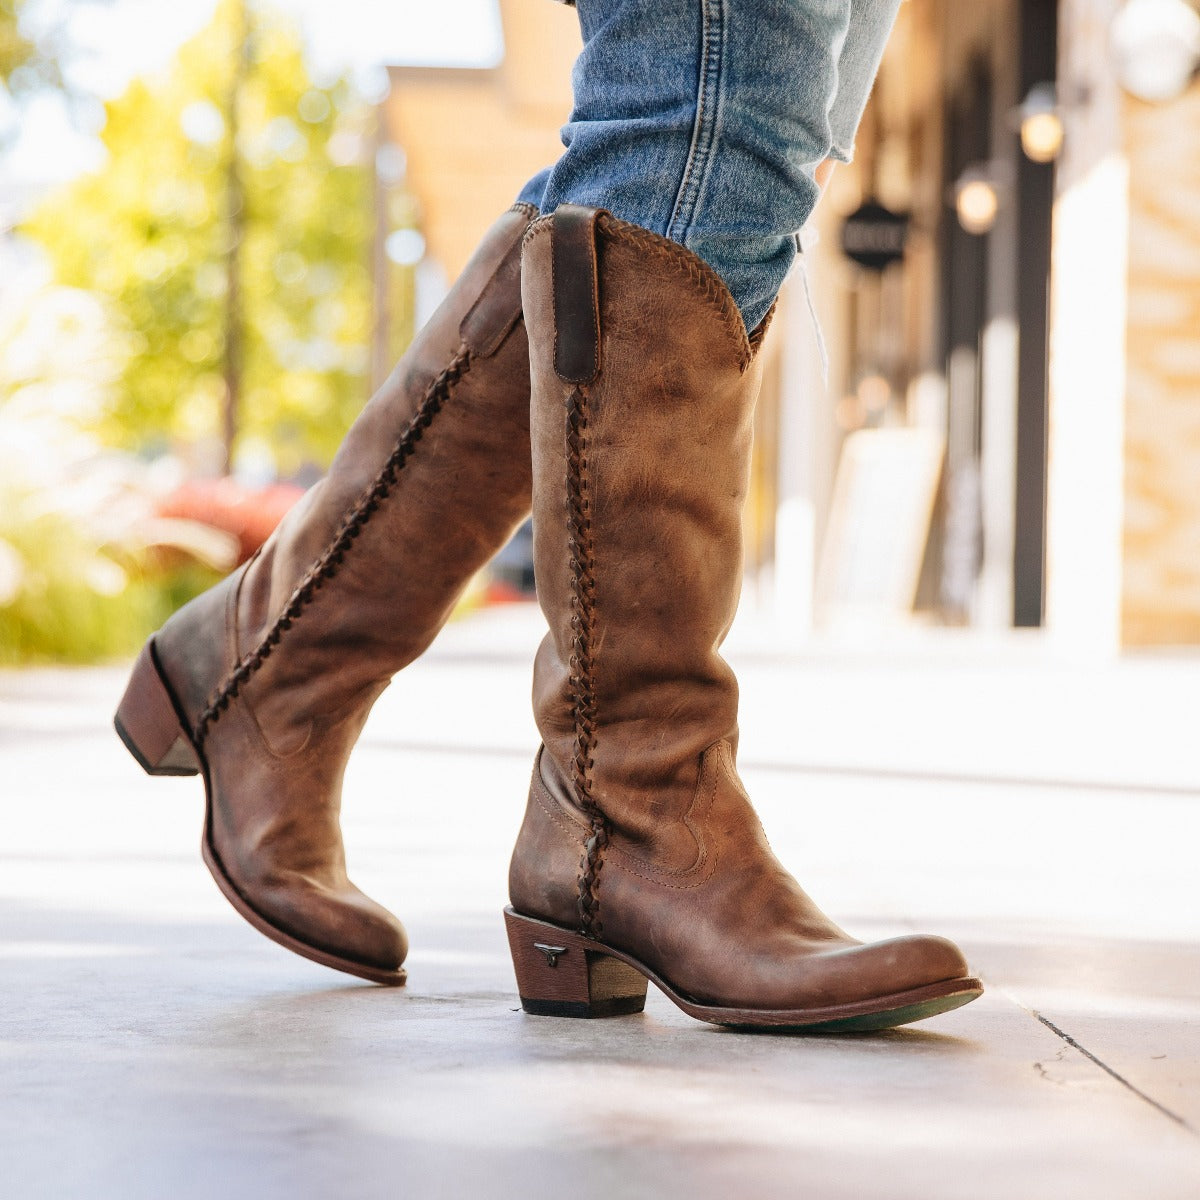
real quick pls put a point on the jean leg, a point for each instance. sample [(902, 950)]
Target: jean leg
[(703, 120), (630, 130), (871, 23), (535, 189)]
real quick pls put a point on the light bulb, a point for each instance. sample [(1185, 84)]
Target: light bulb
[(1155, 48), (977, 204), (1041, 124)]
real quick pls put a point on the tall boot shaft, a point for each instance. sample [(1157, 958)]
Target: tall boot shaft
[(265, 681), (640, 854), (640, 430), (436, 461)]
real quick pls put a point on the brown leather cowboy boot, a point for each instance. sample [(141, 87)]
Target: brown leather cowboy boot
[(640, 856), (263, 683)]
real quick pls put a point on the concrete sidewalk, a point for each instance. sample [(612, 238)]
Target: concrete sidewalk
[(1045, 814)]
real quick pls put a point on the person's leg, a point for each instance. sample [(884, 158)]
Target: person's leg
[(716, 124), (263, 683), (871, 24), (535, 190), (704, 122), (640, 856)]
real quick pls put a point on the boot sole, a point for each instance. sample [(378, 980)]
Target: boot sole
[(561, 973), (149, 723)]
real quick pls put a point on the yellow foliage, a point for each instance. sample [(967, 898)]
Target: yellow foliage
[(150, 232)]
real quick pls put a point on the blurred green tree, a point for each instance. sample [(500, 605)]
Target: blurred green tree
[(230, 230)]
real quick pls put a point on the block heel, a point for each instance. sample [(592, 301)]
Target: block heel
[(563, 974), (148, 724)]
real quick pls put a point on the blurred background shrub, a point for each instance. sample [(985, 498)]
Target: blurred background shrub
[(181, 329)]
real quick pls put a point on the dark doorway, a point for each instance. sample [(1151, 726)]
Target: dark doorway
[(1035, 206)]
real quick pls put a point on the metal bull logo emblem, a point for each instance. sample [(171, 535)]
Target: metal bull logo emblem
[(552, 953)]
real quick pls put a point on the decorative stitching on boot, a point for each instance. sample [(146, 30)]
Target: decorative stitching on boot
[(702, 277), (710, 286), (326, 566), (583, 688)]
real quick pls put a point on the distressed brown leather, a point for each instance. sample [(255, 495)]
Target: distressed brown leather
[(638, 831), (276, 751)]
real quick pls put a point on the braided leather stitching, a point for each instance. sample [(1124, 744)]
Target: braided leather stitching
[(326, 566), (583, 597)]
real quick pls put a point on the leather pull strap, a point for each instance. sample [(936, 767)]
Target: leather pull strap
[(498, 308), (576, 294)]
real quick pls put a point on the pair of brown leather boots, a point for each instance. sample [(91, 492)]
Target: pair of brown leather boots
[(604, 372)]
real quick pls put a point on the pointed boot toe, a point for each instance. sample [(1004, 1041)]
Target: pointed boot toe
[(335, 925), (343, 922), (880, 985), (872, 973), (919, 959)]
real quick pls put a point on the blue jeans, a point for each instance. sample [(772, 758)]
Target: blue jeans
[(704, 121)]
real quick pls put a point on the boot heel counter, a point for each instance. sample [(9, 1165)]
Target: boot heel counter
[(543, 876)]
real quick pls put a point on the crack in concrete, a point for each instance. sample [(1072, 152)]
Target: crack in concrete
[(1137, 1091)]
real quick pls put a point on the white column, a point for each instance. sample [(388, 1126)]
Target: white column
[(1087, 346)]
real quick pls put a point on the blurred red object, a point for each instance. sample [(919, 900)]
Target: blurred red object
[(249, 514), (501, 591)]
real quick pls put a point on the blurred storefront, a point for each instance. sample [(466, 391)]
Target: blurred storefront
[(1004, 430), (1043, 320), (458, 144)]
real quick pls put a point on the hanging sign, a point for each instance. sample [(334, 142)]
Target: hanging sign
[(874, 236)]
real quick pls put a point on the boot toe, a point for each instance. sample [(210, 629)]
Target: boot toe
[(372, 934), (342, 922), (941, 958), (904, 964)]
